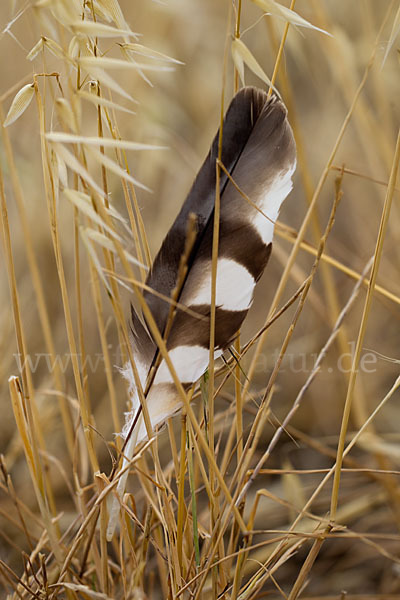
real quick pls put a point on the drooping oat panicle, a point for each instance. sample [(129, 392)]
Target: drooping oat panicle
[(20, 103)]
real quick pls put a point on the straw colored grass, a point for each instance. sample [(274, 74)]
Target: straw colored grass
[(280, 477)]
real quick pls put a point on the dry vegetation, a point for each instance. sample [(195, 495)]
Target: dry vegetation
[(300, 495)]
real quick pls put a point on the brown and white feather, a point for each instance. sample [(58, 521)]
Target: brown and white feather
[(258, 152)]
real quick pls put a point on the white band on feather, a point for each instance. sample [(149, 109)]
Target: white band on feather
[(271, 203), (189, 362), (235, 286)]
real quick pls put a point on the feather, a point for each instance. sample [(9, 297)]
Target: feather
[(258, 152)]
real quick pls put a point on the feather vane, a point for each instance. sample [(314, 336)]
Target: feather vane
[(258, 152), (259, 159)]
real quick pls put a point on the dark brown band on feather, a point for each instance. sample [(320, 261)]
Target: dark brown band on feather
[(189, 331), (241, 242)]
